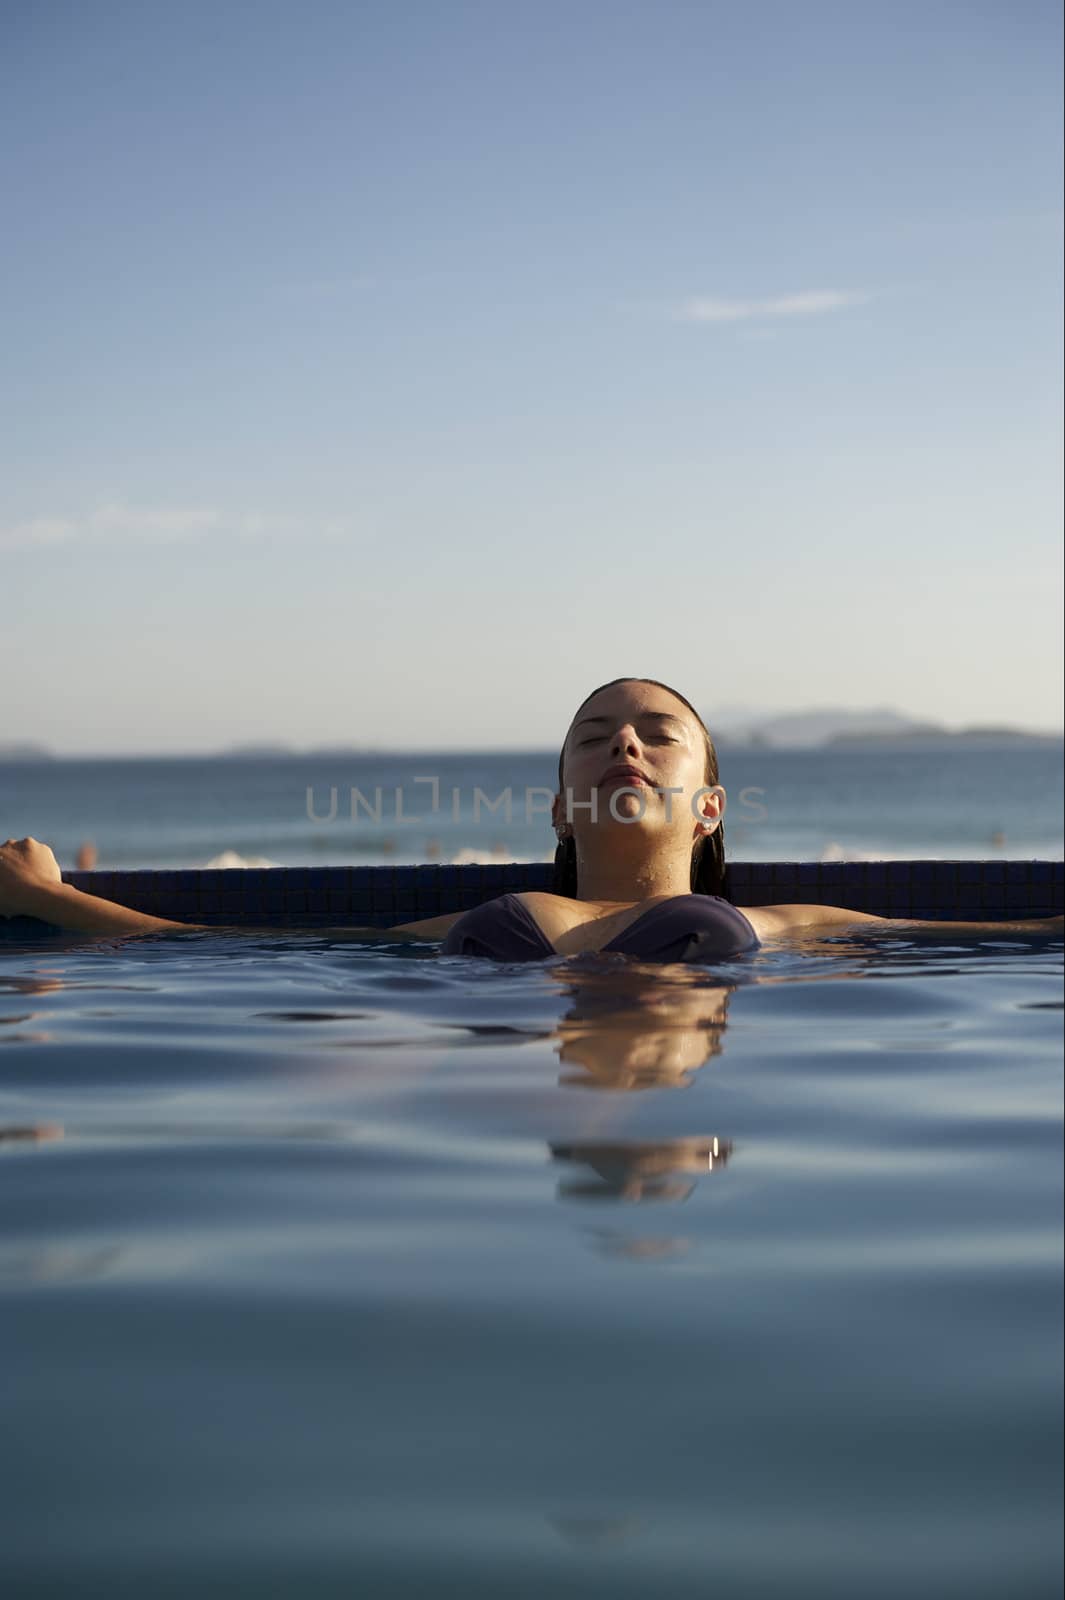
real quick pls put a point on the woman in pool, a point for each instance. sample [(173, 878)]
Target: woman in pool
[(639, 868)]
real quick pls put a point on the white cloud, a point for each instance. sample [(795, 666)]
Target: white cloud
[(154, 524), (806, 303), (161, 523), (144, 524)]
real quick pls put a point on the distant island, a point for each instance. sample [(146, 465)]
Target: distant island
[(273, 752), (254, 752), (985, 737), (25, 752), (876, 729)]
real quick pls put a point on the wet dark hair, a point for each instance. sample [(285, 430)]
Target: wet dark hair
[(709, 874)]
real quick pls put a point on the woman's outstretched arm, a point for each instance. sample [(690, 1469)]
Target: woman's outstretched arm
[(31, 885), (782, 921)]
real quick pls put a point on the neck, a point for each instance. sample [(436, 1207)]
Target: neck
[(602, 876)]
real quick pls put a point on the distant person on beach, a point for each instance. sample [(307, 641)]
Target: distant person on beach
[(86, 857), (639, 862)]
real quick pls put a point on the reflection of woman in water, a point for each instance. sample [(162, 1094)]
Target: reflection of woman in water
[(635, 1030), (639, 868), (639, 1170)]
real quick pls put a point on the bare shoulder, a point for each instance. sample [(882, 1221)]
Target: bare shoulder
[(439, 927), (539, 904), (775, 921)]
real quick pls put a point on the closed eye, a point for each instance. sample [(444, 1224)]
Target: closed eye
[(661, 738)]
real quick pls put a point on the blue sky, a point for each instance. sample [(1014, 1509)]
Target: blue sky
[(395, 373)]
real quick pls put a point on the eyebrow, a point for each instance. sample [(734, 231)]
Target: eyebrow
[(647, 716)]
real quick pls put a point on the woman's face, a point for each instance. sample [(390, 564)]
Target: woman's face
[(644, 727)]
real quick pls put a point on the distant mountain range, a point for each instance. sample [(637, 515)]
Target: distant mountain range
[(25, 752), (732, 728), (873, 729)]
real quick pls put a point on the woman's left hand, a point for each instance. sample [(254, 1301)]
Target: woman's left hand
[(25, 864)]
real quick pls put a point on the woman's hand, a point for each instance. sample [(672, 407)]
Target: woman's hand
[(25, 865), (31, 885)]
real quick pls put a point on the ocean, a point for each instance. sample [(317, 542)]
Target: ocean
[(805, 805)]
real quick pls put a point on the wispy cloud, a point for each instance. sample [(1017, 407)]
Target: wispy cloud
[(806, 303), (152, 525)]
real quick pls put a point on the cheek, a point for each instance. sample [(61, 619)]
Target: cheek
[(577, 764), (697, 778)]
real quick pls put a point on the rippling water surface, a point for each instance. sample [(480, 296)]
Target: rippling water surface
[(350, 1270)]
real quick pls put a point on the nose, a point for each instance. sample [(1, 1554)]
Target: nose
[(625, 741)]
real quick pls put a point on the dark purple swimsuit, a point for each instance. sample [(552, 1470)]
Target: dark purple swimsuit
[(688, 927)]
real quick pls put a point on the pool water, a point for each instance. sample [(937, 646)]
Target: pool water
[(350, 1270)]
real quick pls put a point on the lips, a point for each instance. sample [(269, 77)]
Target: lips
[(630, 774)]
